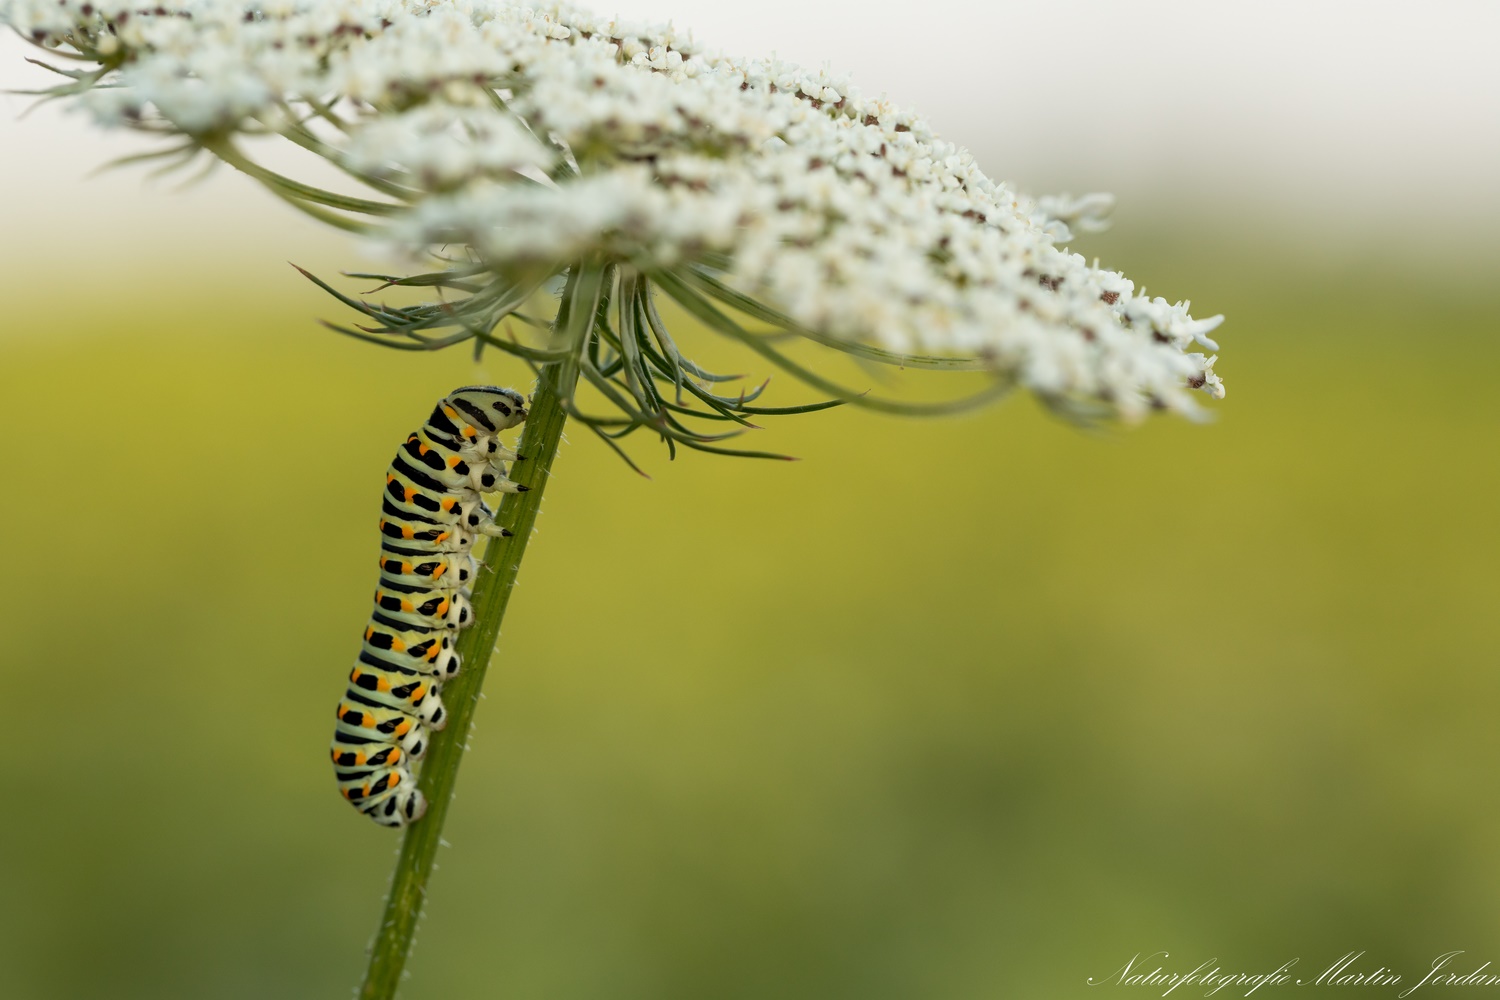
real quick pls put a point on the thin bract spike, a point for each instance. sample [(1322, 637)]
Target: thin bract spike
[(715, 320)]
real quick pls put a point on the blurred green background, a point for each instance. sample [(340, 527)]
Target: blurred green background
[(971, 708)]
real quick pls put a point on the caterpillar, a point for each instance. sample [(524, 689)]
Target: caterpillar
[(432, 512)]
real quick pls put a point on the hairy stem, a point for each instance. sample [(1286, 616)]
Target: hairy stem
[(491, 594)]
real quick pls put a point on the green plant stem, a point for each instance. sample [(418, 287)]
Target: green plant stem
[(491, 593)]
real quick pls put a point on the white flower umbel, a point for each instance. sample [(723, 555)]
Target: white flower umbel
[(539, 137)]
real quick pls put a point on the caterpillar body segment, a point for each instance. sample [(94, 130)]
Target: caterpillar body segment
[(369, 754), (422, 650), (366, 784), (429, 457), (407, 501), (433, 569), (358, 752), (410, 529), (367, 726), (402, 538), (413, 648), (433, 458), (388, 795), (415, 694), (431, 514), (434, 608)]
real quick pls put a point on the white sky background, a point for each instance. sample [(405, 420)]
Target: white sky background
[(1359, 118)]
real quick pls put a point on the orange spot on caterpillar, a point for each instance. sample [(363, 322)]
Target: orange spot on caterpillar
[(368, 721), (453, 461), (381, 684), (397, 645), (411, 491), (404, 728)]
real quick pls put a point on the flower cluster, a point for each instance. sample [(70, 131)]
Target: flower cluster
[(539, 137)]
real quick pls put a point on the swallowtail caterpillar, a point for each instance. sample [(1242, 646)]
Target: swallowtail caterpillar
[(432, 512)]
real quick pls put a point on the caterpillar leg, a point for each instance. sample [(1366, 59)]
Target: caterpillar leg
[(432, 712), (499, 453), (489, 450), (478, 518), (474, 514), (487, 478), (406, 805)]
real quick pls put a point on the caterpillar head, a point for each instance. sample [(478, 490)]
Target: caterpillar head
[(490, 408)]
